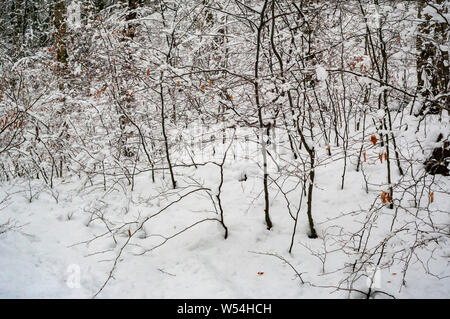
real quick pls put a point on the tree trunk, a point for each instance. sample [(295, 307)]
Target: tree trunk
[(61, 28)]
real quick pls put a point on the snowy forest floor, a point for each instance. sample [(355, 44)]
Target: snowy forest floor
[(63, 232)]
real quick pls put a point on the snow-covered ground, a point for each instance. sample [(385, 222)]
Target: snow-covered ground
[(62, 248)]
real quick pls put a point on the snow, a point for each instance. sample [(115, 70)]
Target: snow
[(42, 259), (74, 15), (112, 228), (321, 73)]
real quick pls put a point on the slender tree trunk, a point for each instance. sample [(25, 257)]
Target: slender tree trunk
[(166, 143), (261, 121), (312, 230)]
